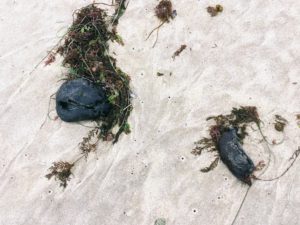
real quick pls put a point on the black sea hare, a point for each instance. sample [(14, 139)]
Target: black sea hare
[(234, 157), (80, 99)]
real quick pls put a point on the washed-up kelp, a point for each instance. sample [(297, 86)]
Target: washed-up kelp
[(95, 88)]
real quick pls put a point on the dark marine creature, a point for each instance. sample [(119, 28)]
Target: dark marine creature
[(234, 157), (226, 130), (80, 99)]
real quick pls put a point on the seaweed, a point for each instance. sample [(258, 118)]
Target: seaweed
[(84, 49), (280, 123), (89, 143), (238, 119), (178, 51), (50, 59), (85, 52), (61, 171), (214, 11), (205, 144), (211, 166), (237, 122), (164, 12)]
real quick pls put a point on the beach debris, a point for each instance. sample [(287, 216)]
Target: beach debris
[(159, 74), (226, 140), (237, 120), (164, 12), (214, 11), (89, 143), (61, 171), (280, 123), (160, 221), (50, 59), (85, 52), (211, 166), (80, 99), (95, 88), (234, 157), (204, 144), (178, 51)]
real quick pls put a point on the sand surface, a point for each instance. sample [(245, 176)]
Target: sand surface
[(247, 55)]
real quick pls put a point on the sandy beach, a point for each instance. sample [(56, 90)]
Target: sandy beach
[(247, 55)]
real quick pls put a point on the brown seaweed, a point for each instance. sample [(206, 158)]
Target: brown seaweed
[(164, 12), (61, 171), (178, 51), (280, 123), (84, 49), (214, 11)]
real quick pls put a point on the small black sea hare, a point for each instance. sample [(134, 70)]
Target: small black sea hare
[(80, 99), (234, 157)]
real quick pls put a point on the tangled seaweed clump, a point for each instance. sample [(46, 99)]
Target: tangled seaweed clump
[(85, 54), (239, 119), (164, 12), (61, 171), (226, 140)]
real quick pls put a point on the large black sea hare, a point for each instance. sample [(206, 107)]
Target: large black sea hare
[(80, 99)]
